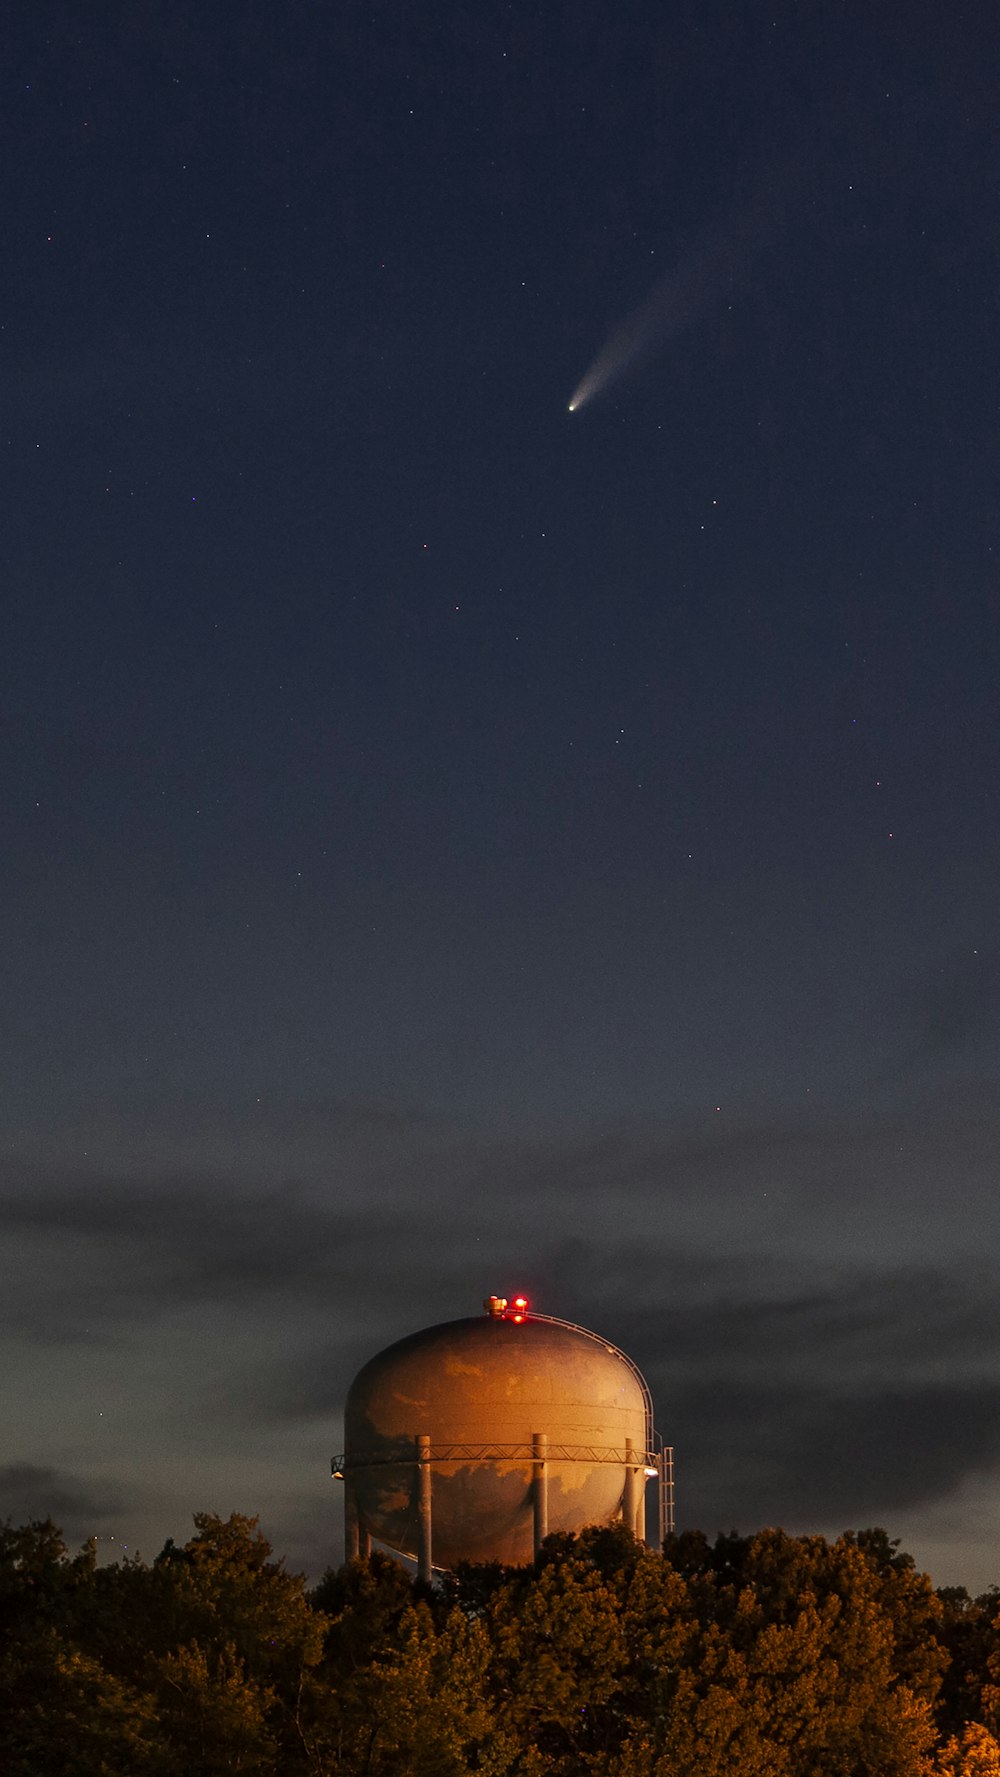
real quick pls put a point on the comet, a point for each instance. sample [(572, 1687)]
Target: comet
[(705, 276)]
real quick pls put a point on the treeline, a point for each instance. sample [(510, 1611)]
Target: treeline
[(767, 1656)]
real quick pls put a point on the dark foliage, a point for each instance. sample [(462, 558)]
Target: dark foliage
[(763, 1656)]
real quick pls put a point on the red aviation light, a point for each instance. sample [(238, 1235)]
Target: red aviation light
[(500, 1308)]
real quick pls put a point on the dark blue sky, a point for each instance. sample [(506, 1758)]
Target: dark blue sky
[(451, 844)]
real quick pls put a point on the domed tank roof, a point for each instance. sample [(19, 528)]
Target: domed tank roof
[(480, 1390)]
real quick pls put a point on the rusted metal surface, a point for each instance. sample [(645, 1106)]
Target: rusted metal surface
[(482, 1391)]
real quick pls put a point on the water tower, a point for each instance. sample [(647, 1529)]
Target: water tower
[(472, 1440)]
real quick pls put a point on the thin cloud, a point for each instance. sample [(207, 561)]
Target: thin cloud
[(121, 1247), (30, 1491), (812, 1456)]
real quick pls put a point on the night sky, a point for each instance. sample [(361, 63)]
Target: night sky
[(452, 844)]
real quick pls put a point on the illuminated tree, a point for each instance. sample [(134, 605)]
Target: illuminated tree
[(789, 1671), (973, 1753), (765, 1656)]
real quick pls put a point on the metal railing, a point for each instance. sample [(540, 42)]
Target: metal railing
[(658, 1462), (588, 1453)]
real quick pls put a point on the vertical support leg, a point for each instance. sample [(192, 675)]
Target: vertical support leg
[(640, 1510), (629, 1498), (352, 1529), (366, 1544), (424, 1523), (540, 1487)]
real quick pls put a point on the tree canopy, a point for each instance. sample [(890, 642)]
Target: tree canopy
[(761, 1656)]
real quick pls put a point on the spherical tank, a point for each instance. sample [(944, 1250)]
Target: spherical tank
[(481, 1400)]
